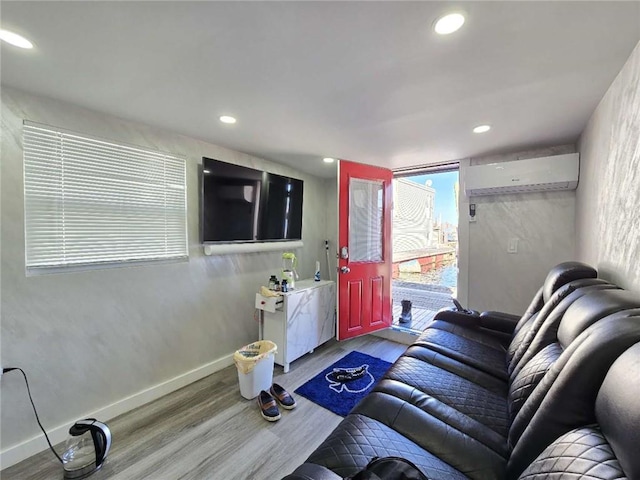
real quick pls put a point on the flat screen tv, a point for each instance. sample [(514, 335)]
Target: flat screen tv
[(241, 204)]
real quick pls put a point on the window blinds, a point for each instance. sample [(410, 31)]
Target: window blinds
[(90, 201)]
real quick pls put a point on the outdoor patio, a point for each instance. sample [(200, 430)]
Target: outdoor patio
[(426, 300)]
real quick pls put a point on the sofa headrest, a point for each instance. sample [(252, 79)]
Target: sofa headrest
[(590, 308), (548, 319), (566, 396), (563, 273), (583, 284), (618, 410)]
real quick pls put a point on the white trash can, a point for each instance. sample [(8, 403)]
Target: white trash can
[(255, 367)]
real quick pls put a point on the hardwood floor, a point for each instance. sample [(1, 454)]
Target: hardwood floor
[(208, 431)]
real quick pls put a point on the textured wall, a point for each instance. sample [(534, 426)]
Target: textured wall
[(90, 338), (607, 216), (544, 226)]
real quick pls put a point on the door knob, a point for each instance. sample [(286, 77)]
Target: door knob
[(345, 269)]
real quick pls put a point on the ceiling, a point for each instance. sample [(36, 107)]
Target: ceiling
[(365, 81)]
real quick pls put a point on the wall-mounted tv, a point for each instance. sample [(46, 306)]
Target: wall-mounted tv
[(241, 204)]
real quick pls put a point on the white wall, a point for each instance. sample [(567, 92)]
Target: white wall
[(608, 214), (492, 279), (331, 189), (89, 339)]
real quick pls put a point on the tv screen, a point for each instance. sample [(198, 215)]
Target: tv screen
[(241, 204)]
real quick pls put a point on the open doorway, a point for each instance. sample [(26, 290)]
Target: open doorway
[(425, 245)]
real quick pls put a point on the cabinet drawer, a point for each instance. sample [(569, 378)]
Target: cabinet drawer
[(269, 304)]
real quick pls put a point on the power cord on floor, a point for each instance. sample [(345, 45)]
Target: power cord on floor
[(5, 370)]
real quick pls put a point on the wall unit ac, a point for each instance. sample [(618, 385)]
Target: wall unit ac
[(559, 172)]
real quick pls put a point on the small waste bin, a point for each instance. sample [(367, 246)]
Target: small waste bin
[(255, 367)]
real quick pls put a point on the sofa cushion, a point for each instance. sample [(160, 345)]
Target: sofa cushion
[(565, 397), (475, 347), (476, 333), (617, 410), (530, 376), (359, 438), (435, 436), (488, 358), (581, 453), (608, 449), (467, 397), (552, 311), (599, 305), (445, 413), (589, 309)]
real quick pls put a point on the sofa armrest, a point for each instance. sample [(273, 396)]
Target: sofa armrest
[(457, 317), (311, 471), (499, 321)]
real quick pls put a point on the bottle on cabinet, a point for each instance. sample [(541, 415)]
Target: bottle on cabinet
[(316, 276)]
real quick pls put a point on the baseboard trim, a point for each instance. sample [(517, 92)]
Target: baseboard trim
[(21, 451)]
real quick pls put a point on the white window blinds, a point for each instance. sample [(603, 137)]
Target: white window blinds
[(90, 201)]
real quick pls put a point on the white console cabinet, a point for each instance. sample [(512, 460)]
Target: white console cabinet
[(304, 320)]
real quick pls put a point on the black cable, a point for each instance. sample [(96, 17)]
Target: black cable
[(5, 370)]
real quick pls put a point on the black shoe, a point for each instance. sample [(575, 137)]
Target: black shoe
[(405, 316), (344, 375), (283, 397), (268, 407)]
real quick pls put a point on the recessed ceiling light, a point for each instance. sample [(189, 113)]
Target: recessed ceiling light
[(482, 129), (227, 119), (15, 39), (449, 23), (328, 160)]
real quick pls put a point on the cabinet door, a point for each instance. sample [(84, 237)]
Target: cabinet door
[(302, 321)]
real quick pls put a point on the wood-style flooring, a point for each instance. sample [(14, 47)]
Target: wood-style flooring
[(208, 431)]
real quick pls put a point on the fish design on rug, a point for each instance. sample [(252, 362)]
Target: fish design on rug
[(352, 380)]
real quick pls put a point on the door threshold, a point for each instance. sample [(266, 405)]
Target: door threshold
[(398, 335)]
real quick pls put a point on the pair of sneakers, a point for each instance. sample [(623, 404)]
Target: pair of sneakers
[(268, 402)]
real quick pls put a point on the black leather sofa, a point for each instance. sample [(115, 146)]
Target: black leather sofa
[(469, 399)]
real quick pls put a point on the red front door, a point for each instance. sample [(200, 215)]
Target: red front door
[(364, 249)]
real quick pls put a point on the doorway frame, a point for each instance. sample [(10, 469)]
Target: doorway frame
[(463, 216)]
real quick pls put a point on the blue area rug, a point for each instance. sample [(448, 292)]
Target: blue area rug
[(329, 390)]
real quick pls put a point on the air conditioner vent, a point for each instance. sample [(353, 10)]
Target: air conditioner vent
[(545, 174)]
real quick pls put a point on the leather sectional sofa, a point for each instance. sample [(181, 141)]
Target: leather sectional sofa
[(553, 394)]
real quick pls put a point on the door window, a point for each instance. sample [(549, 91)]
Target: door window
[(365, 220)]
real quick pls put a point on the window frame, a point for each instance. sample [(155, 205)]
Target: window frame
[(125, 182)]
